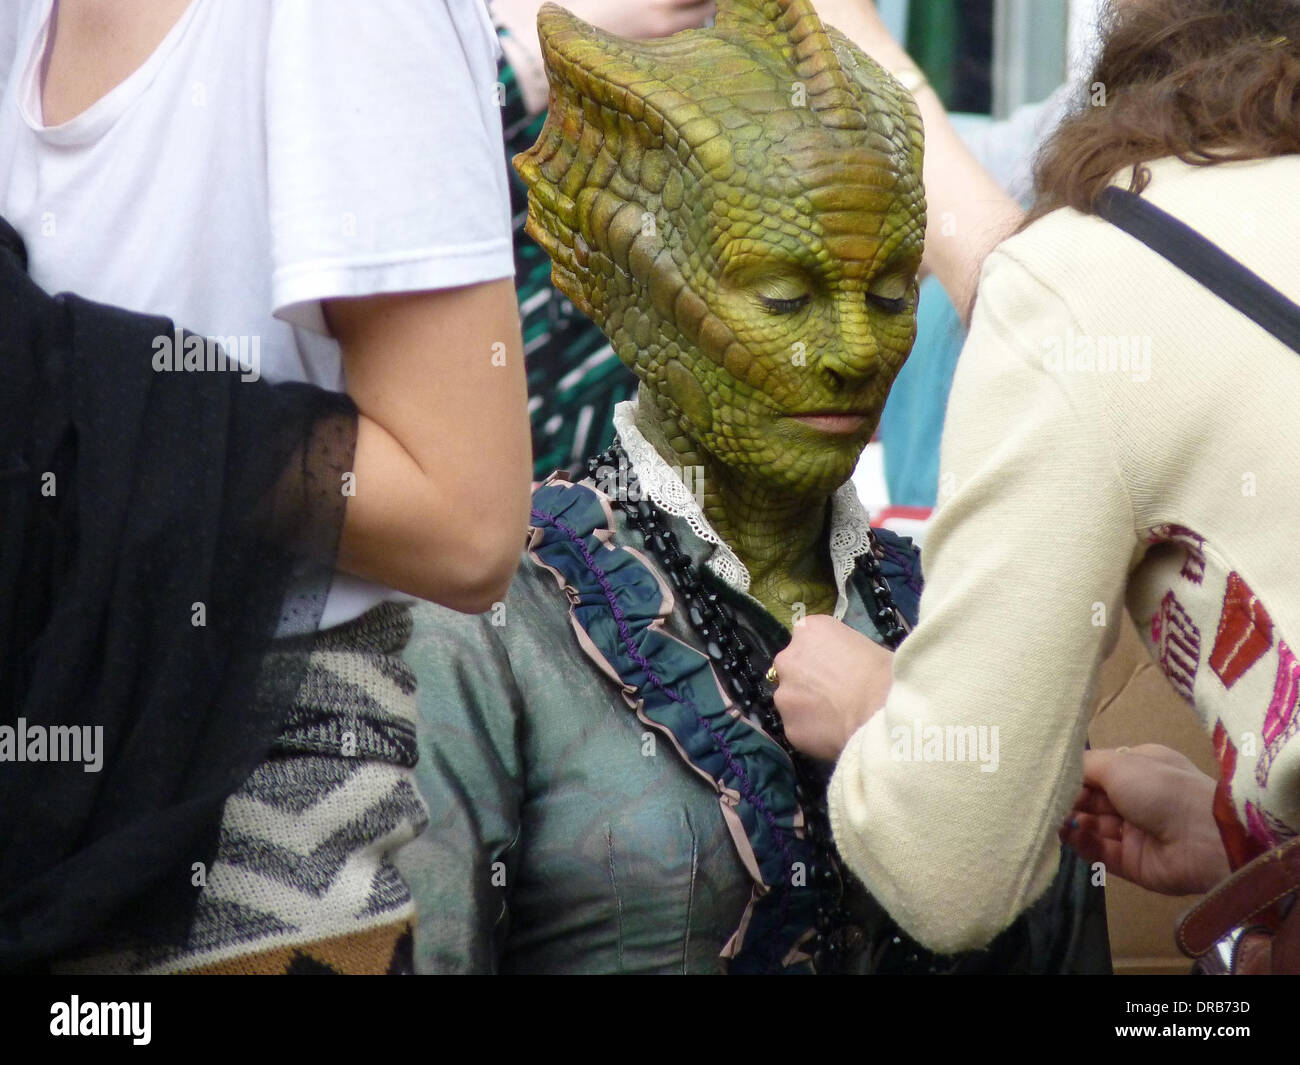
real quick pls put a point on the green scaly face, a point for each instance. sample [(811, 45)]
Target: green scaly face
[(740, 210)]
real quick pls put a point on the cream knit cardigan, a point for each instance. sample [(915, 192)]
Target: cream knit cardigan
[(1116, 436)]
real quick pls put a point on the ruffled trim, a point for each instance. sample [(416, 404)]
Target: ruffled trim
[(618, 606), (850, 539), (900, 565), (666, 489)]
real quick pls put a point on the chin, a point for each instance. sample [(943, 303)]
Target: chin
[(814, 472)]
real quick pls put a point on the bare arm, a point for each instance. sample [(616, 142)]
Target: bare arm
[(969, 214), (443, 459), (627, 18)]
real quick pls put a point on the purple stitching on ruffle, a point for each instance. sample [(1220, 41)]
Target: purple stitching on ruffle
[(905, 560), (625, 633)]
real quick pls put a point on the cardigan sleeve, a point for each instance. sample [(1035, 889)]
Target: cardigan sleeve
[(947, 802)]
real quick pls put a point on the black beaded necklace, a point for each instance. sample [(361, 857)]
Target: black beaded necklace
[(836, 934)]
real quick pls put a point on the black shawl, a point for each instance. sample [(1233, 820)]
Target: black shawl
[(154, 526)]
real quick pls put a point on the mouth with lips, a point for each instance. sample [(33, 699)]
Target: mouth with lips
[(832, 422)]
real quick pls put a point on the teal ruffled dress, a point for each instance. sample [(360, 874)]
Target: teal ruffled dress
[(598, 806)]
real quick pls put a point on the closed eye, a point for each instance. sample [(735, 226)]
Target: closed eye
[(889, 306), (889, 292), (775, 306)]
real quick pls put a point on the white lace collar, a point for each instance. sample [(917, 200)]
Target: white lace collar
[(850, 529)]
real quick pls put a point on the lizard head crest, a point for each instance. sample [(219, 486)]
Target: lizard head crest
[(740, 210)]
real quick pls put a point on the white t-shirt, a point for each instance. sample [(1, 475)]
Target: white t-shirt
[(268, 155)]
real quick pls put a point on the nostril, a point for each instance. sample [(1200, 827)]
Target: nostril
[(834, 378)]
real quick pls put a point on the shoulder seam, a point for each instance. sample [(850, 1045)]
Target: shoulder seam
[(1015, 345)]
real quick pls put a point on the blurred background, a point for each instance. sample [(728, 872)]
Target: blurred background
[(988, 57)]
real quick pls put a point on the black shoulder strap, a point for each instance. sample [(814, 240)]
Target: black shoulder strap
[(1205, 261)]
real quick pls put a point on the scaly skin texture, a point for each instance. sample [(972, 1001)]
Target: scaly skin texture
[(740, 210)]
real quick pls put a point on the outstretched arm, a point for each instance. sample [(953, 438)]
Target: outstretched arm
[(637, 19), (966, 773)]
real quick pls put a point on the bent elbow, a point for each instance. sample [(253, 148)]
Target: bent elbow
[(946, 920), (946, 916), (481, 593), (482, 579), (478, 551)]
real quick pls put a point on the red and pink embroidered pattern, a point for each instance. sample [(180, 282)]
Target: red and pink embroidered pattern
[(1281, 722), (1245, 632), (1194, 561), (1178, 641), (1245, 636)]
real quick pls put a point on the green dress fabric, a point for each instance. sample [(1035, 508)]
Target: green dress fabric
[(566, 835)]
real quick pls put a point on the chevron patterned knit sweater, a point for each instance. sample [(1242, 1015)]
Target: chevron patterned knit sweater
[(302, 881)]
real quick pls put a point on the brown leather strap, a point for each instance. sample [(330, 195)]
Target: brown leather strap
[(1249, 891)]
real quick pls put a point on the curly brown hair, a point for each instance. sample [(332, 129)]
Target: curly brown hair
[(1208, 81)]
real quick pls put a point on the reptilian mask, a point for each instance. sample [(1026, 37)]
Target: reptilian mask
[(740, 210)]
